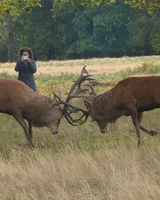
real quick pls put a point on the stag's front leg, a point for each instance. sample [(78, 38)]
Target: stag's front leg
[(18, 116), (152, 133)]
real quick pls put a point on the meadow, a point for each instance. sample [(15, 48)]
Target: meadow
[(80, 163)]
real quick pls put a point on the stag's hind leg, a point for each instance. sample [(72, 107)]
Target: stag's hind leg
[(134, 115), (18, 116), (30, 129), (152, 133)]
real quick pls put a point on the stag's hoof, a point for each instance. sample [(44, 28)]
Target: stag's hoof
[(140, 142), (31, 145), (152, 133)]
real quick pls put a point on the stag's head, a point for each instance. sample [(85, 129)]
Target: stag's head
[(92, 110), (54, 116)]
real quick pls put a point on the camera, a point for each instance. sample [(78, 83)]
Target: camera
[(25, 57)]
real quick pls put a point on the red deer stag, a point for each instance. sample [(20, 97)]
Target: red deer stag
[(130, 97), (18, 100)]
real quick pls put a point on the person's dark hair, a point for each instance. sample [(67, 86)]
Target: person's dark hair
[(25, 49)]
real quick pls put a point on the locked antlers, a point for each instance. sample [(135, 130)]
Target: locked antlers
[(68, 108)]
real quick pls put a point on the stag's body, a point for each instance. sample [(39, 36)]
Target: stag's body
[(130, 97), (18, 100)]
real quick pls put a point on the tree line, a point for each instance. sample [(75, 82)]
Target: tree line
[(58, 30)]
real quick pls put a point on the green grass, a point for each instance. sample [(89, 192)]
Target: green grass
[(144, 70), (84, 137)]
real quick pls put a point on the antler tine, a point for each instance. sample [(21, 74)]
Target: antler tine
[(92, 89), (76, 94), (84, 70), (72, 121), (60, 94), (57, 97), (78, 83), (60, 101), (67, 114), (69, 121)]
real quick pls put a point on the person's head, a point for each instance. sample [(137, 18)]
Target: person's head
[(25, 51)]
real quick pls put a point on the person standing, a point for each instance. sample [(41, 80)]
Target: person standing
[(26, 67)]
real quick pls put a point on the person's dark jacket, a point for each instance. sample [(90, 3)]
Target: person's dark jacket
[(26, 71)]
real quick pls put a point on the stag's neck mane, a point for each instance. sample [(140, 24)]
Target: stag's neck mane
[(39, 110), (104, 107)]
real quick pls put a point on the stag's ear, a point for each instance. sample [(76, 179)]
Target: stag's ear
[(54, 100), (88, 106)]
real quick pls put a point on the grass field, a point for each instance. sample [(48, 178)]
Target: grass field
[(80, 163), (95, 66)]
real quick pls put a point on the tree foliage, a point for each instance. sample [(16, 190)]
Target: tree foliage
[(144, 31), (14, 7), (150, 5), (3, 41), (57, 30)]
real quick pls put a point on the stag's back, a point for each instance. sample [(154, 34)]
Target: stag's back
[(14, 94), (145, 91)]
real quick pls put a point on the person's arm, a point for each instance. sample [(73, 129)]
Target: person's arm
[(32, 66), (18, 66)]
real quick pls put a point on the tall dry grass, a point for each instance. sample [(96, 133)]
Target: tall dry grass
[(112, 173), (80, 163)]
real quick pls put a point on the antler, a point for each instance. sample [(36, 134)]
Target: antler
[(78, 83), (68, 109), (92, 89)]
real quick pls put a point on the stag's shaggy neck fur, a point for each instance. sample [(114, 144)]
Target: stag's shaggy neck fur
[(42, 110), (104, 107)]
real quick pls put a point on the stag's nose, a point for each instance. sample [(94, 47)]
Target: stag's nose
[(103, 130)]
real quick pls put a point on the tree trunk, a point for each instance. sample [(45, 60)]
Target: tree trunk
[(10, 39)]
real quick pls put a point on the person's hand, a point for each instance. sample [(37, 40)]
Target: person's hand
[(22, 58), (29, 61)]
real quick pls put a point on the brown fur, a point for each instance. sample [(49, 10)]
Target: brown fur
[(104, 102), (130, 97), (20, 101)]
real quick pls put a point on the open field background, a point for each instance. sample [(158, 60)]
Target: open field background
[(80, 163), (94, 66)]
